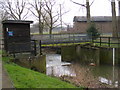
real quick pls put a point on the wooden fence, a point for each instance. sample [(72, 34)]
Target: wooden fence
[(108, 41)]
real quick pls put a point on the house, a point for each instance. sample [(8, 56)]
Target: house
[(103, 23)]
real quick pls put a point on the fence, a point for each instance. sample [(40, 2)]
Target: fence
[(108, 41), (38, 40)]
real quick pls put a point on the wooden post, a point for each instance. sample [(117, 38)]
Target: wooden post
[(109, 41), (100, 41), (52, 39), (92, 39), (40, 47), (69, 37), (73, 38), (14, 56), (60, 40), (35, 52)]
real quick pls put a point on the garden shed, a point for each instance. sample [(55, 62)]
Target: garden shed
[(16, 36)]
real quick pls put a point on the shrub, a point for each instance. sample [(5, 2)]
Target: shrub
[(92, 31)]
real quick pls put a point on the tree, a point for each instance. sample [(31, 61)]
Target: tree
[(114, 20), (119, 20), (92, 31), (88, 11), (46, 13), (118, 8), (16, 9), (52, 16), (3, 14), (38, 6), (87, 6)]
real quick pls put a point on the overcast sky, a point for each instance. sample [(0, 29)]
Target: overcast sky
[(98, 8)]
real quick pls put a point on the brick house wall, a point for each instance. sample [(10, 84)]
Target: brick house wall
[(102, 25)]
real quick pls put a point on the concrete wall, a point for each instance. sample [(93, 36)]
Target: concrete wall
[(88, 54), (117, 56), (40, 63), (76, 53), (37, 63), (68, 53), (106, 56)]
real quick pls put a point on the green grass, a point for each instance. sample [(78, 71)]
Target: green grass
[(26, 78)]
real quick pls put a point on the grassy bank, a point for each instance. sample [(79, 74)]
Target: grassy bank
[(26, 78)]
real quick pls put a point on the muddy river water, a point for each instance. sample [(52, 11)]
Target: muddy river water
[(83, 75)]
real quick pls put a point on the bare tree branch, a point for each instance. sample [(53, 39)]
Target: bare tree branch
[(92, 2), (16, 9), (84, 5), (87, 6), (38, 6)]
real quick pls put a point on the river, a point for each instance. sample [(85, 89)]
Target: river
[(103, 76)]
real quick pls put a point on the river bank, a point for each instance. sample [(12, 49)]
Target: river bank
[(26, 78), (88, 77), (103, 76)]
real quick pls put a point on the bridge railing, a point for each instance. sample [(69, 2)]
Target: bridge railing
[(108, 41), (43, 40), (61, 38), (39, 40)]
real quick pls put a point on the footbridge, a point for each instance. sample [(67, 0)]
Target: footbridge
[(56, 39)]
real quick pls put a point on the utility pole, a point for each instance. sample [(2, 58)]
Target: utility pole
[(60, 17), (114, 20)]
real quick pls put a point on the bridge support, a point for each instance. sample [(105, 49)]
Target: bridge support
[(68, 53), (88, 54), (80, 54)]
